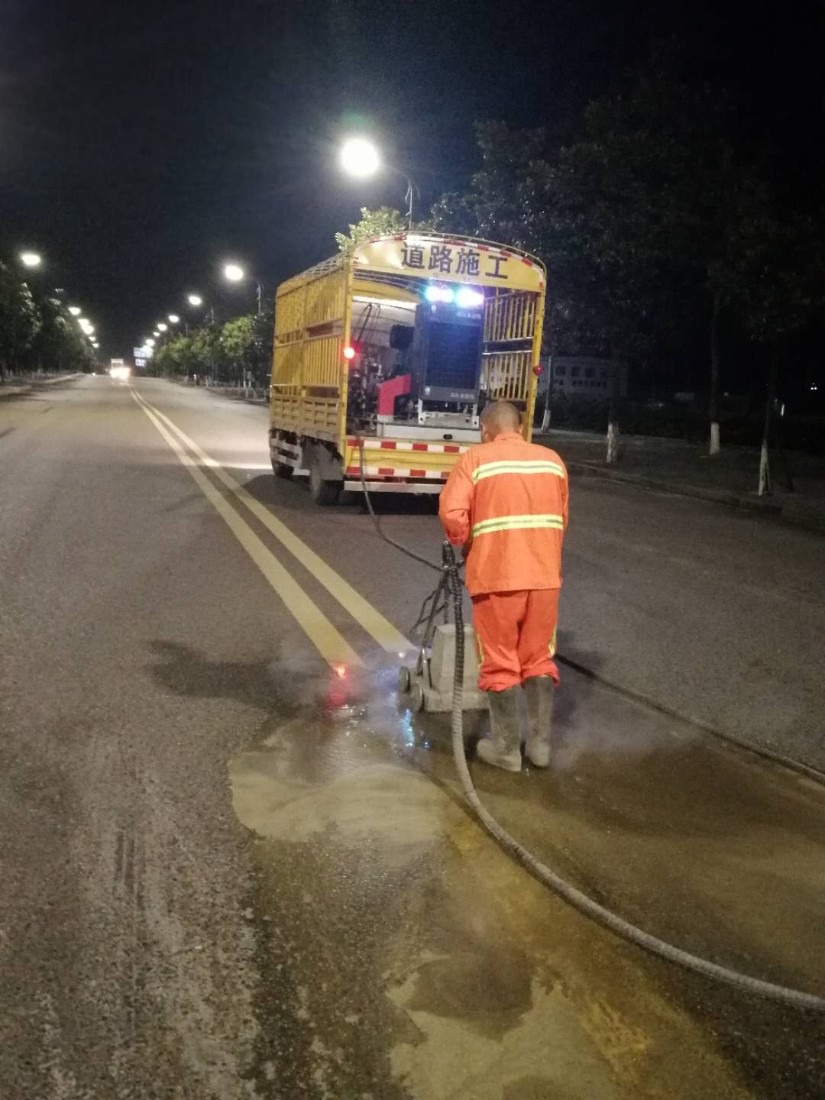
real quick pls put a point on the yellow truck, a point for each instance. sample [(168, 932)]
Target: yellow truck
[(384, 357)]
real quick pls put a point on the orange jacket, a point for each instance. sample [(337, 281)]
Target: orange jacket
[(506, 503)]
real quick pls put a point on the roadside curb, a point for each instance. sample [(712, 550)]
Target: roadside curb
[(31, 387), (718, 496), (798, 512), (237, 393)]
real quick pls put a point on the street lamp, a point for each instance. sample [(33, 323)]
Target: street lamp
[(360, 158), (173, 317), (196, 301), (234, 273), (75, 311), (162, 327), (30, 259)]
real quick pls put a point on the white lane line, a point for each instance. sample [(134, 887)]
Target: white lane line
[(332, 646), (381, 629)]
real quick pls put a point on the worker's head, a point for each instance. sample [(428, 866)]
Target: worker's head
[(499, 417)]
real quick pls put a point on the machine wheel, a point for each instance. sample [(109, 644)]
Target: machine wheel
[(417, 698), (322, 492), (404, 680)]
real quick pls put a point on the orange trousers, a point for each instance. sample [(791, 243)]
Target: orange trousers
[(516, 636)]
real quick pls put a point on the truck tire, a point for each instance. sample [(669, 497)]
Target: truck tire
[(281, 470), (322, 492)]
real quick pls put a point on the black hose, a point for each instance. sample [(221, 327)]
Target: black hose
[(398, 546), (569, 892), (794, 997)]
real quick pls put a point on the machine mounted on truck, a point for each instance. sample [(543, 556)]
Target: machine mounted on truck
[(384, 357)]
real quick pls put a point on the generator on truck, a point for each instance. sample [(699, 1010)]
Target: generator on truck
[(384, 357)]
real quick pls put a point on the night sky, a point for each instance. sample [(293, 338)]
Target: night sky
[(141, 144)]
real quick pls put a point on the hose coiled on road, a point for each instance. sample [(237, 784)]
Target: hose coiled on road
[(603, 916), (560, 886)]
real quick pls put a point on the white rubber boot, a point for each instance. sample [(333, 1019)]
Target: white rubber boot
[(538, 691), (503, 748)]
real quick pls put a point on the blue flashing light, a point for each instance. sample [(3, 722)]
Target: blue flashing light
[(435, 293), (466, 297)]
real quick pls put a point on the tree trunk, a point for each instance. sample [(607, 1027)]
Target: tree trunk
[(548, 395), (714, 375), (613, 433), (765, 486)]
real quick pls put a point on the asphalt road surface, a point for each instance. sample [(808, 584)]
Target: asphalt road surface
[(234, 864)]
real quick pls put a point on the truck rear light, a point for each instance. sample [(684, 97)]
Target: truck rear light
[(538, 370), (349, 352)]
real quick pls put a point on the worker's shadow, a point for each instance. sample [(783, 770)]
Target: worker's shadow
[(287, 682)]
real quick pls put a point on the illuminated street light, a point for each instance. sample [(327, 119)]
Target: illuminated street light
[(75, 311), (234, 273), (149, 343), (360, 158), (162, 327), (195, 300), (30, 259), (173, 317)]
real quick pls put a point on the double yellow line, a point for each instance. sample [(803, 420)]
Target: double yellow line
[(329, 642)]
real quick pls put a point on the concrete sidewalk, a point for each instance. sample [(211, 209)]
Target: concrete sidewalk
[(674, 466)]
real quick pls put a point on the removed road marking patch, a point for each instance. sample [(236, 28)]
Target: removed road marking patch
[(332, 646), (390, 639)]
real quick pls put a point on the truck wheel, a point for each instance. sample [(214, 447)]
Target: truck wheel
[(280, 469), (322, 492)]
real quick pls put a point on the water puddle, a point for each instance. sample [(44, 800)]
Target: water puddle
[(404, 954)]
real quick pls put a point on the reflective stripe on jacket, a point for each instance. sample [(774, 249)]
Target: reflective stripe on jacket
[(506, 503)]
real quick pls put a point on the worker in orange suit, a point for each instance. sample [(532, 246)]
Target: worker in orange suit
[(505, 503)]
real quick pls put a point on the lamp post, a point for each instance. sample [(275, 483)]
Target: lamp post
[(361, 159), (195, 301), (234, 273)]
